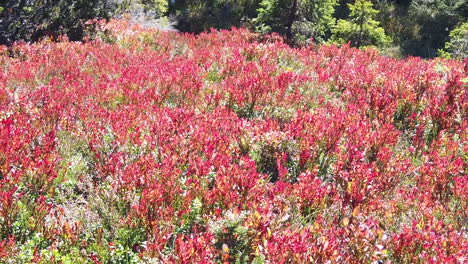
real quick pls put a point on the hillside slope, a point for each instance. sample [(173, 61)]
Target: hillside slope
[(150, 147)]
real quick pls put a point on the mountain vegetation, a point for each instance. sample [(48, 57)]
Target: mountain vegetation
[(399, 28), (149, 146)]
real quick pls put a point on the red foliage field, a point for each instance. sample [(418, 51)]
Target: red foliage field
[(157, 147)]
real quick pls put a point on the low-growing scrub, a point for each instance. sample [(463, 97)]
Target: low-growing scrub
[(144, 146)]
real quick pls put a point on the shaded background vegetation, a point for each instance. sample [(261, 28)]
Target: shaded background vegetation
[(411, 27), (30, 20)]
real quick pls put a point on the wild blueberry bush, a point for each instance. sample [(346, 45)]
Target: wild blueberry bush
[(144, 146)]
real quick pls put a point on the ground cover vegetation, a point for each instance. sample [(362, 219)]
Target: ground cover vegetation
[(399, 28), (144, 146)]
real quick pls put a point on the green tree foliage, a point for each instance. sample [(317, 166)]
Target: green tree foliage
[(390, 17), (30, 20), (200, 15), (274, 16), (361, 29), (315, 20), (297, 20), (426, 25), (457, 46), (159, 6)]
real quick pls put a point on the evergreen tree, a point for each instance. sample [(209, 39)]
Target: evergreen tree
[(361, 29), (272, 16), (315, 20), (200, 15), (30, 20), (457, 46), (297, 20), (428, 24)]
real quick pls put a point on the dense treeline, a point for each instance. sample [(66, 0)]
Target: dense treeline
[(407, 27), (425, 28)]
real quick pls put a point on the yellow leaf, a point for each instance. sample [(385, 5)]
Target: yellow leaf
[(257, 215), (380, 233), (356, 211), (316, 226), (345, 221), (350, 187), (420, 225), (225, 248)]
